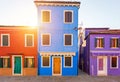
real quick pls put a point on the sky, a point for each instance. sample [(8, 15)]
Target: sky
[(92, 13)]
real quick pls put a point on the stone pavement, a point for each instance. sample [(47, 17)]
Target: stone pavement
[(83, 77)]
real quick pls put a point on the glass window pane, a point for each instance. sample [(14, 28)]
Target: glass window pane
[(46, 16), (101, 64), (114, 61), (46, 61), (68, 16), (68, 40), (5, 40), (29, 41), (45, 39), (67, 61), (29, 62)]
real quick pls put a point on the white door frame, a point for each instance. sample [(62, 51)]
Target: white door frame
[(53, 65), (13, 57), (104, 72)]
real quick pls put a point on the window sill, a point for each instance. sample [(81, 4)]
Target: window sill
[(67, 66), (114, 47), (68, 22), (45, 66), (99, 47), (114, 68)]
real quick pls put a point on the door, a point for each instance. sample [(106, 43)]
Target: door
[(17, 65), (56, 65), (102, 65)]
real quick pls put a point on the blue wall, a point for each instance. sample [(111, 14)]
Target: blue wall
[(57, 28)]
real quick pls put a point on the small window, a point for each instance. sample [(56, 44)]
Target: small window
[(99, 42), (68, 16), (68, 61), (45, 39), (45, 61), (5, 62), (67, 39), (114, 62), (114, 42), (45, 16), (29, 62), (29, 40), (5, 39)]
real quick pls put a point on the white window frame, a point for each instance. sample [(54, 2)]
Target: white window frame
[(71, 62), (26, 40), (111, 62), (5, 57), (31, 57), (104, 42), (42, 62), (71, 39), (42, 39), (8, 40), (118, 42), (42, 16), (64, 16)]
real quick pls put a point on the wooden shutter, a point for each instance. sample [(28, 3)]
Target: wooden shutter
[(103, 42), (95, 42), (119, 43), (1, 62), (33, 63), (8, 62), (25, 62)]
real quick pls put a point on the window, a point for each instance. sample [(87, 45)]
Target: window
[(45, 16), (68, 39), (45, 61), (114, 42), (5, 62), (99, 42), (68, 16), (29, 40), (45, 39), (68, 61), (114, 62), (5, 39), (29, 62)]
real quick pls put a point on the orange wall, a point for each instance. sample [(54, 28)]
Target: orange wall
[(17, 42)]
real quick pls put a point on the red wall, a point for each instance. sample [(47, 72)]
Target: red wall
[(17, 42)]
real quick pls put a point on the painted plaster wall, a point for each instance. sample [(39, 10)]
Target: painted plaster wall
[(57, 28), (93, 59)]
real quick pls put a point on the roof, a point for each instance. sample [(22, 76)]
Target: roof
[(97, 28), (105, 32), (57, 3), (16, 27)]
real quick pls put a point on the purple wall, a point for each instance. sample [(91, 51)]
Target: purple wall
[(98, 51), (91, 53)]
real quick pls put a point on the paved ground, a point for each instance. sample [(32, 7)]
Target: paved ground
[(81, 78)]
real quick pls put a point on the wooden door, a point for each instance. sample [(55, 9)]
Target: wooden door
[(102, 65), (56, 66)]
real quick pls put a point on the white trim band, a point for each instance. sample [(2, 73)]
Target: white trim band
[(57, 53)]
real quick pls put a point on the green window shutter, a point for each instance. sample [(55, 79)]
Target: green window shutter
[(110, 42), (117, 42), (33, 63), (1, 62), (25, 62), (8, 62), (95, 42), (103, 42)]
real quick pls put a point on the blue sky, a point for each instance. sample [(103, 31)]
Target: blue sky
[(93, 13)]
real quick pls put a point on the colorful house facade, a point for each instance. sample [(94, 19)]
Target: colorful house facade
[(101, 55), (18, 51), (57, 38)]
